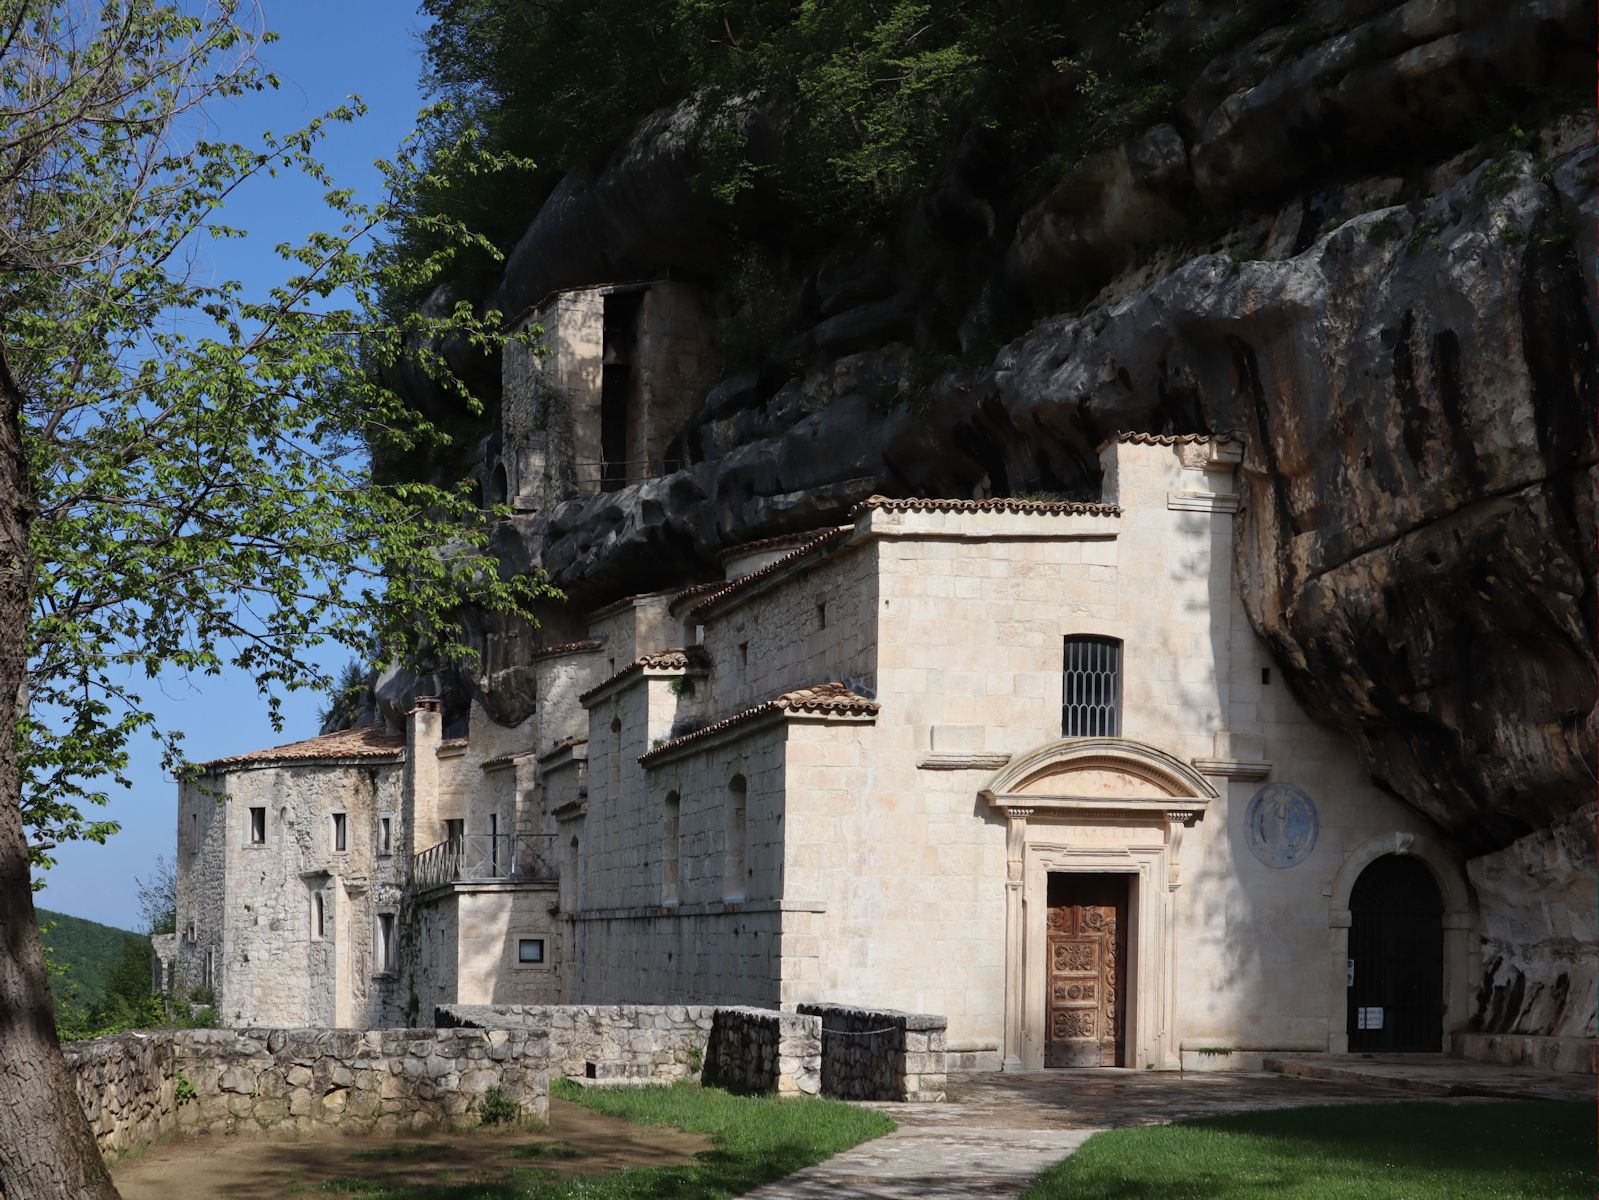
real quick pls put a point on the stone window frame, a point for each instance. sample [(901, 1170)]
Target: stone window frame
[(319, 916), (671, 848), (258, 825), (385, 835), (339, 832), (385, 945), (735, 867), (542, 964)]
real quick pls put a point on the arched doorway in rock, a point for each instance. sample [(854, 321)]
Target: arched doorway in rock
[(1396, 956)]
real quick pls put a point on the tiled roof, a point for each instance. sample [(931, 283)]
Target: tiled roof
[(825, 699), (659, 660), (505, 760), (449, 744), (562, 746), (565, 648), (1123, 437), (769, 543), (1010, 504), (616, 606), (825, 538), (367, 741), (696, 589)]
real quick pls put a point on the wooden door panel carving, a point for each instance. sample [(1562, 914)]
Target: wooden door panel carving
[(1086, 934)]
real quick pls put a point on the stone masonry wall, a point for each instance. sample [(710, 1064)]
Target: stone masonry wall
[(137, 1087), (880, 1054), (763, 1050), (620, 1041)]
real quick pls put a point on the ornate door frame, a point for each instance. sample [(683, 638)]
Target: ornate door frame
[(1107, 806)]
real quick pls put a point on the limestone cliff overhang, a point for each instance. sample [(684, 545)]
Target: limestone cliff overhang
[(1077, 776), (829, 703), (662, 664), (365, 745)]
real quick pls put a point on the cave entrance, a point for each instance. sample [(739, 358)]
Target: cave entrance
[(1396, 958)]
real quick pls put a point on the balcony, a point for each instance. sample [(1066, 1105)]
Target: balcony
[(485, 858)]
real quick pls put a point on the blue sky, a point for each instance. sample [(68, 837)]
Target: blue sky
[(328, 49)]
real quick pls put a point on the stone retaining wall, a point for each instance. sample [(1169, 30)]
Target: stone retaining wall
[(137, 1087), (763, 1050), (880, 1053), (599, 1041), (1565, 1055), (126, 1084)]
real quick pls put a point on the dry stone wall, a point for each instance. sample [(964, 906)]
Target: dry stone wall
[(763, 1050), (587, 1041), (879, 1053), (138, 1087)]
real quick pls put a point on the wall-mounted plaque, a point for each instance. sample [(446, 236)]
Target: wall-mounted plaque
[(1282, 825)]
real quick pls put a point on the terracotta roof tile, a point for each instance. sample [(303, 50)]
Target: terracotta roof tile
[(367, 741), (562, 746), (617, 605), (1124, 437), (769, 543), (694, 590), (825, 699), (552, 650), (659, 660), (1009, 504), (505, 760), (826, 537), (449, 744)]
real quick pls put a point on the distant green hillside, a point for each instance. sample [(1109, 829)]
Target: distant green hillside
[(87, 949)]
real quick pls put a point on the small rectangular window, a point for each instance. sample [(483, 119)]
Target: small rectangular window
[(319, 917), (454, 829), (821, 615), (340, 834), (743, 654), (257, 826), (386, 941), (385, 835), (529, 950)]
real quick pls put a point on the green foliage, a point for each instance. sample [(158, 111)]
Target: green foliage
[(498, 1109), (82, 955), (197, 477), (183, 1090), (760, 308), (1407, 1151), (344, 696)]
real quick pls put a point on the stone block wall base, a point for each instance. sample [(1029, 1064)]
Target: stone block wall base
[(1563, 1055), (1231, 1060)]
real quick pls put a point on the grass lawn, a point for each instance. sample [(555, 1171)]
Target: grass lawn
[(755, 1139), (1510, 1150)]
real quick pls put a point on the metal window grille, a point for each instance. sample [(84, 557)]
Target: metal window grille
[(1091, 690)]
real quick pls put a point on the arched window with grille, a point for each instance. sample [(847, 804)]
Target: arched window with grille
[(1091, 687)]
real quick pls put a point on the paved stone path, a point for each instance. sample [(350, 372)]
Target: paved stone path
[(1436, 1075), (997, 1131)]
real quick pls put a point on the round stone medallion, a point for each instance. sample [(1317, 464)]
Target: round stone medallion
[(1282, 825)]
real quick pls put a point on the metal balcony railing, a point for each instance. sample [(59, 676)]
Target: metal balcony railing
[(484, 858), (611, 474)]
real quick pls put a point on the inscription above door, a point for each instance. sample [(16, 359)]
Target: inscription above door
[(1085, 952)]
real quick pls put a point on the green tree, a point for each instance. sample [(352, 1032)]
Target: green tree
[(183, 466)]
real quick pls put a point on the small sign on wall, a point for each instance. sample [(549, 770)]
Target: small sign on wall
[(1368, 1018)]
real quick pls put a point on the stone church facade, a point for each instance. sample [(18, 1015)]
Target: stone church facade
[(1024, 764)]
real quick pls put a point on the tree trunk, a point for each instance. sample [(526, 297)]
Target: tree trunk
[(47, 1149)]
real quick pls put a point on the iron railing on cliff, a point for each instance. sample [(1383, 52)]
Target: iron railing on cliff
[(485, 858)]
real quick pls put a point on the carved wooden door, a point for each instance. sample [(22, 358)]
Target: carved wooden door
[(1086, 940)]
